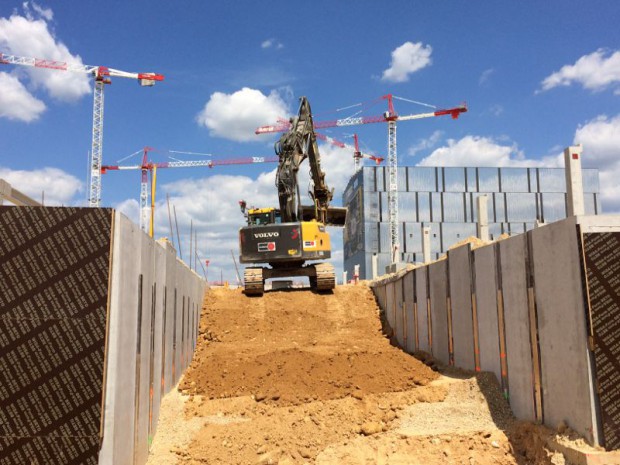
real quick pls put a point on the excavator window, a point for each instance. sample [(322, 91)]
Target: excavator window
[(261, 218)]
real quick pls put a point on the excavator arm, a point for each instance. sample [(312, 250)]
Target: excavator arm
[(292, 149)]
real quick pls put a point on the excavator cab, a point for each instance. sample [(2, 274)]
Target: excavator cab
[(263, 216)]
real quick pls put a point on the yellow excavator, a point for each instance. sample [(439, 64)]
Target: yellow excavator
[(286, 239)]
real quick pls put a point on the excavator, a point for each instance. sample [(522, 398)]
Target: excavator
[(292, 238)]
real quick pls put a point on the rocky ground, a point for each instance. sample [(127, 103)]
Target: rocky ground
[(296, 377)]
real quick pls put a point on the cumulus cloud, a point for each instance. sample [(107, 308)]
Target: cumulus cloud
[(600, 138), (425, 144), (30, 35), (596, 71), (211, 204), (271, 43), (58, 186), (484, 151), (236, 116), (16, 103), (407, 59)]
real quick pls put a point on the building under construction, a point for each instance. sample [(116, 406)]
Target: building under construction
[(444, 199)]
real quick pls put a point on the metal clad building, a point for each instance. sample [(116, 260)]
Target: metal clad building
[(445, 200)]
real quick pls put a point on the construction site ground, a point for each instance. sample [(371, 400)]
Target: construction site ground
[(296, 377)]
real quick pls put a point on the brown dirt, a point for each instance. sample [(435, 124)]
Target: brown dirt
[(296, 377)]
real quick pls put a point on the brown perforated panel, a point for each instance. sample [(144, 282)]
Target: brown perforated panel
[(602, 260), (54, 267)]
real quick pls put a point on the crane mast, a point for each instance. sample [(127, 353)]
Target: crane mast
[(390, 117), (102, 75)]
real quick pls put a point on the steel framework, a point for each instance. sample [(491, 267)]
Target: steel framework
[(390, 117), (102, 77)]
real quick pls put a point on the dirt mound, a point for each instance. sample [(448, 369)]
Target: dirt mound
[(296, 377), (305, 347)]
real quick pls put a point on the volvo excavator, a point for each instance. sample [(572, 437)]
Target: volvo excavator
[(291, 239)]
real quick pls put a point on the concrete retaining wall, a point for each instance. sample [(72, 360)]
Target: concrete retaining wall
[(535, 310), (145, 358), (97, 322)]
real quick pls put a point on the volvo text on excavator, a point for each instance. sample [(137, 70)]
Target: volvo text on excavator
[(290, 237)]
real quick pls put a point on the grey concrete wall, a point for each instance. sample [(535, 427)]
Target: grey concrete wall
[(422, 320), (389, 304), (399, 311), (548, 369), (439, 312), (562, 327), (460, 294), (138, 339), (409, 321), (486, 299), (518, 347)]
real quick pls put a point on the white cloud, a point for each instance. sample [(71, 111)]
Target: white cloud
[(58, 186), (485, 76), (425, 144), (212, 204), (483, 151), (407, 59), (16, 103), (236, 116), (32, 37), (600, 138), (131, 209), (271, 43), (596, 71), (45, 13)]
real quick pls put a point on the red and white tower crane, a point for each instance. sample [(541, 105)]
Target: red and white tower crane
[(357, 154), (102, 76), (147, 211), (390, 117)]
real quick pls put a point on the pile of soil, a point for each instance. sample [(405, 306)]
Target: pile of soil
[(296, 377)]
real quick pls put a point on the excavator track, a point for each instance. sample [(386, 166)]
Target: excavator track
[(254, 281), (325, 277)]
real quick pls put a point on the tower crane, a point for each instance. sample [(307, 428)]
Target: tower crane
[(357, 154), (390, 117), (102, 76), (146, 213)]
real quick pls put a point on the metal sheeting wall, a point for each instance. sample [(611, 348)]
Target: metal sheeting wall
[(538, 310), (444, 199)]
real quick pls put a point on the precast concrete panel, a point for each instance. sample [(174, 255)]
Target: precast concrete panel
[(145, 332), (409, 322), (168, 336), (157, 343), (460, 294), (439, 311), (518, 347), (398, 312), (118, 438), (421, 275), (177, 326), (389, 305), (562, 329), (486, 302)]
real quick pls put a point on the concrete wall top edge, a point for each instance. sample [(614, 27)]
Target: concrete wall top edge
[(599, 223)]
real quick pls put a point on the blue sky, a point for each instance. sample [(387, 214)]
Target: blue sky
[(537, 77)]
